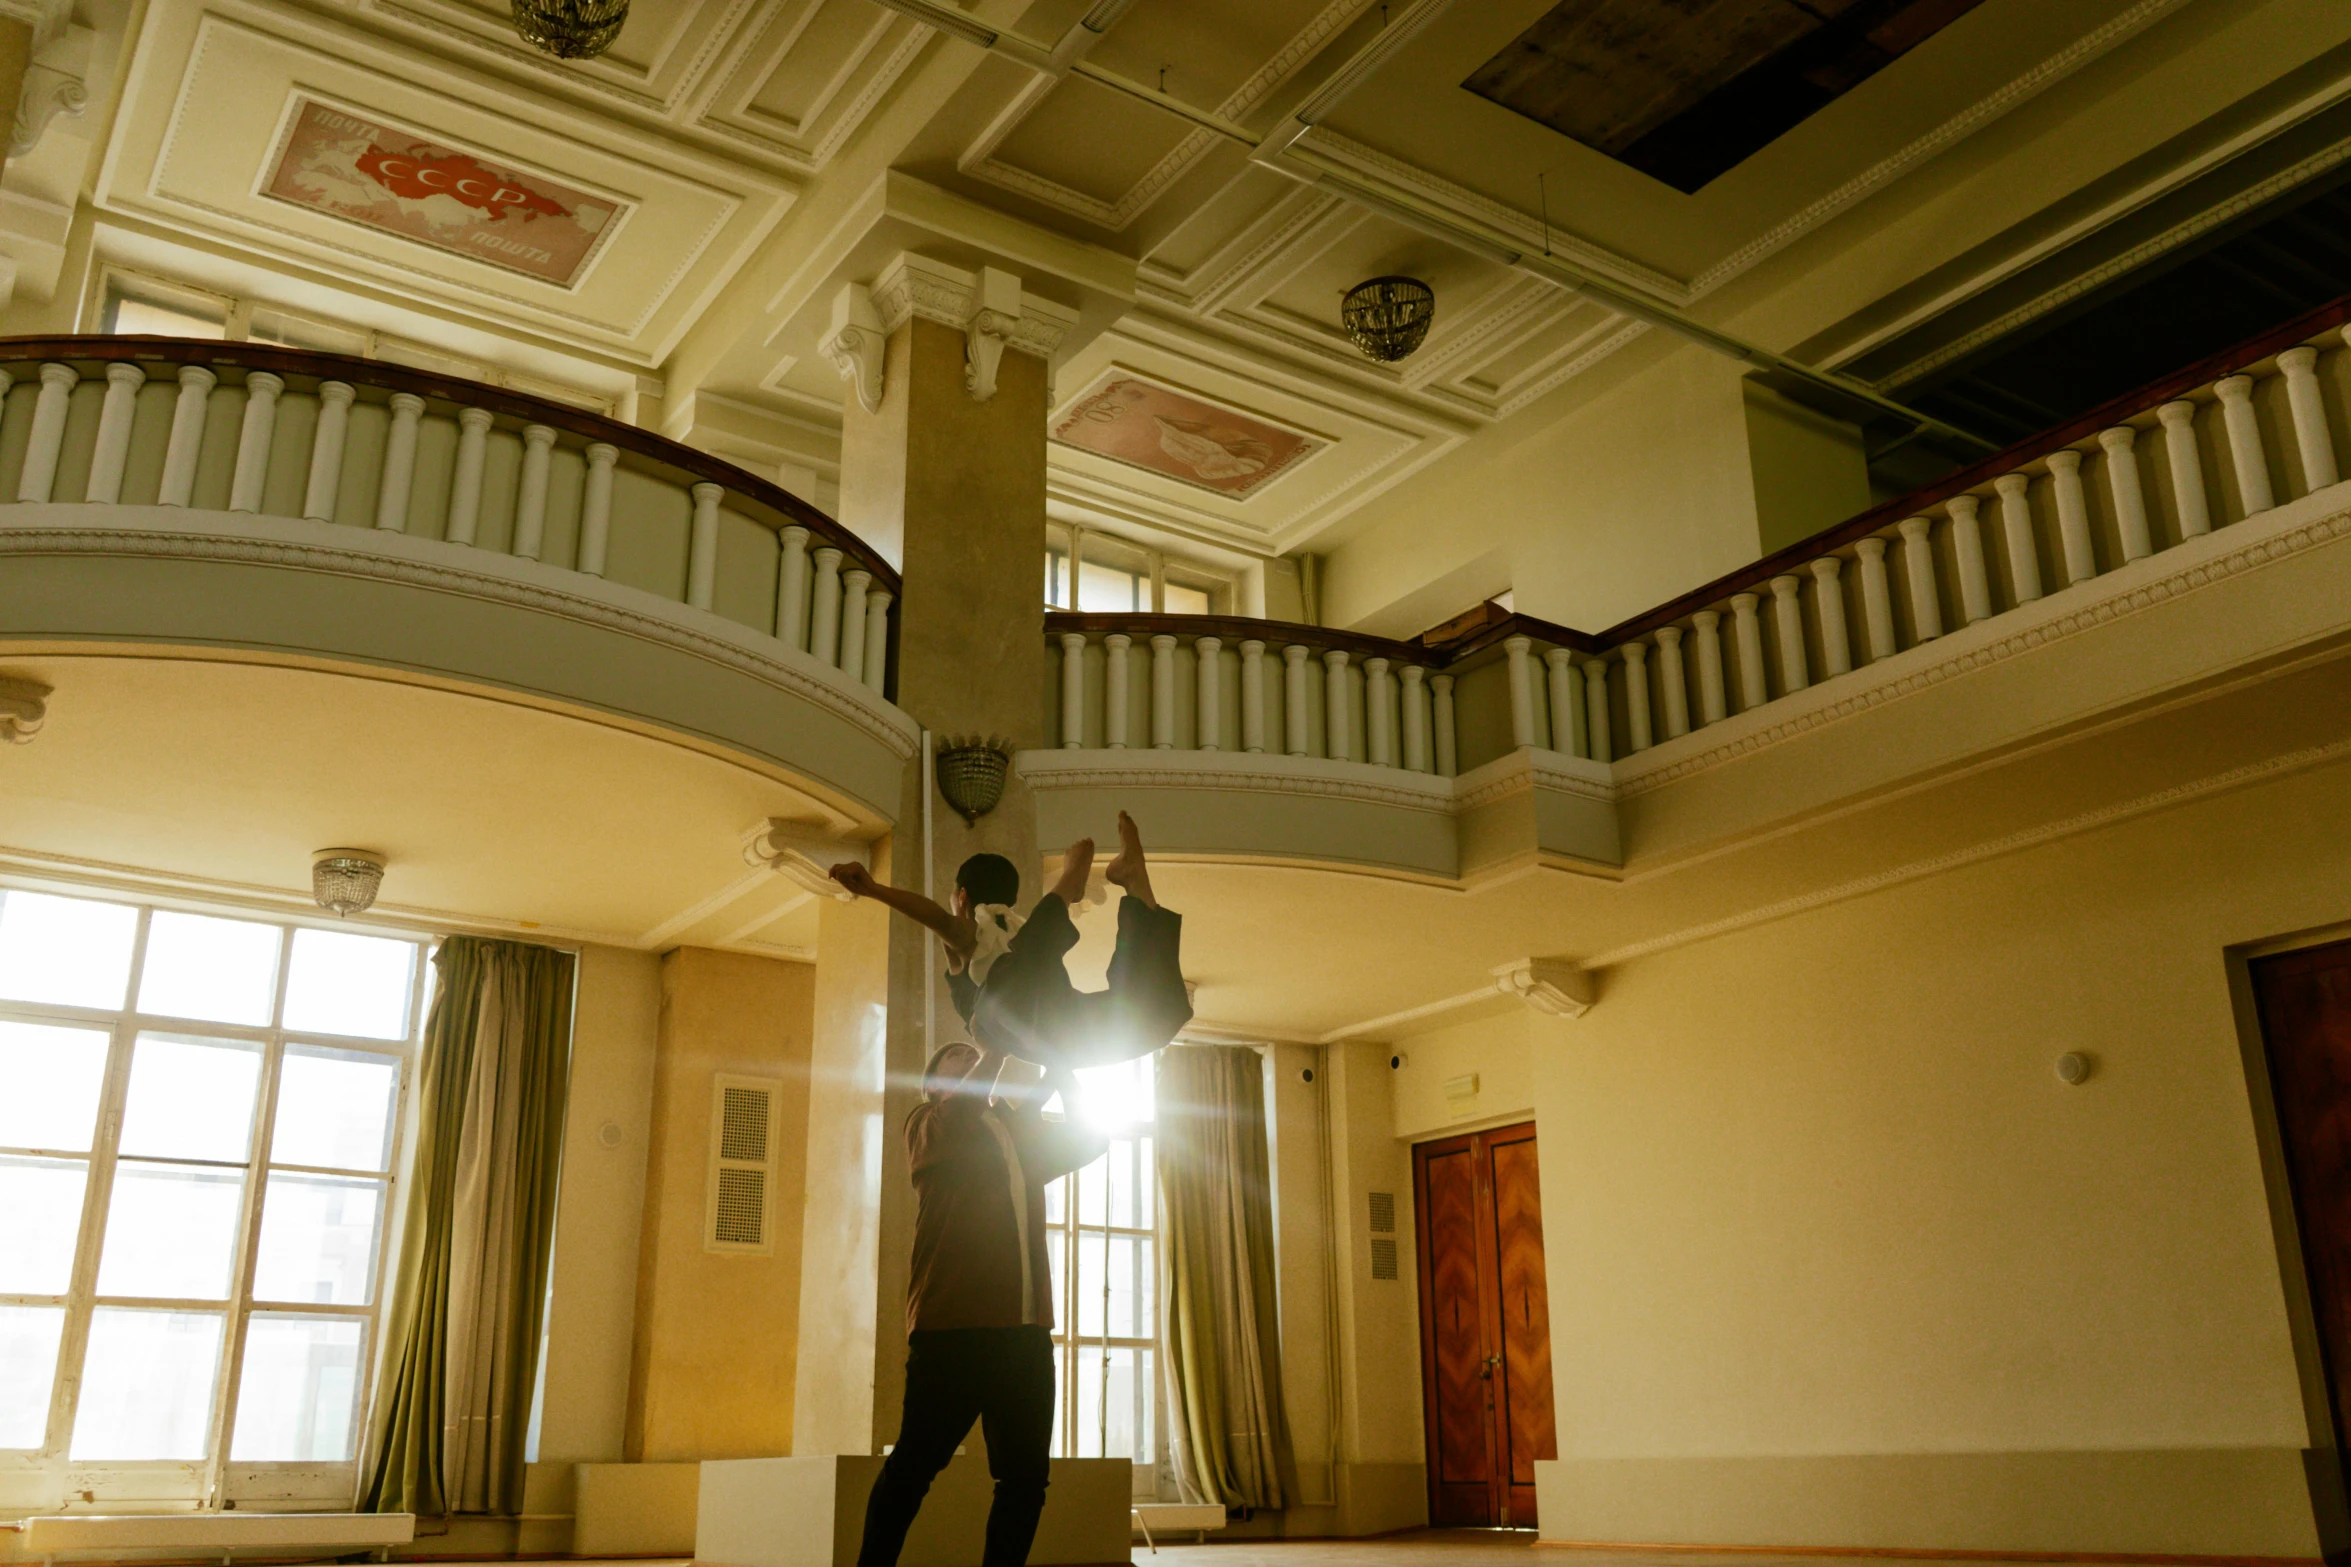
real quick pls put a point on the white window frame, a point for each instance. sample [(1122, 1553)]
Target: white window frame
[(1067, 1236), (50, 1477), (1069, 546)]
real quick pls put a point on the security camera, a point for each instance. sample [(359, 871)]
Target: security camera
[(1399, 1061)]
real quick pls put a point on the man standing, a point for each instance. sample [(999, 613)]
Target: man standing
[(979, 1308)]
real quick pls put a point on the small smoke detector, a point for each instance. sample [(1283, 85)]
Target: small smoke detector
[(345, 880)]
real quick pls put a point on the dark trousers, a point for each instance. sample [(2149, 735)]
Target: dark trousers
[(1002, 1377), (1145, 1004)]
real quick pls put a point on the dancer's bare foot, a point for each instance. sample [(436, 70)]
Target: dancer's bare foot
[(1077, 863), (1128, 870)]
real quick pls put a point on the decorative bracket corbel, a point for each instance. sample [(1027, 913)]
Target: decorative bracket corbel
[(995, 317), (1558, 987), (24, 707), (856, 344), (48, 92), (805, 853)]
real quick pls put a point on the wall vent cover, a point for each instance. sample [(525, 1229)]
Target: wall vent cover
[(1383, 1213), (742, 1164), (1383, 1256)]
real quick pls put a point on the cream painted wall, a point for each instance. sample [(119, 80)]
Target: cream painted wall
[(1588, 518), (717, 1333), (590, 1325), (1502, 1050)]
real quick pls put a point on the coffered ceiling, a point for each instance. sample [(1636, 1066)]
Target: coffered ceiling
[(754, 154)]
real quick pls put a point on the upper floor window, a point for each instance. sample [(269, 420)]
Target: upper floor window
[(199, 1129), (1115, 577)]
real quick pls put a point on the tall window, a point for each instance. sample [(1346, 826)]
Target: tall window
[(1118, 578), (199, 1119), (1103, 1233)]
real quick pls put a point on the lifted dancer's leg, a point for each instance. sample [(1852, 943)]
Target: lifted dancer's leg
[(1128, 871), (1146, 1004)]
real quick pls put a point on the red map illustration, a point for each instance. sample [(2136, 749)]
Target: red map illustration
[(416, 175)]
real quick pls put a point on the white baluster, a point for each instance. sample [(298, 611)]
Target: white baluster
[(1208, 704), (1294, 700), (1338, 741), (254, 439), (1747, 636), (39, 476), (1522, 692), (1967, 549), (1252, 695), (187, 437), (530, 492), (1877, 598), (1602, 744), (1379, 714), (1567, 702), (824, 619), (2128, 494), (1828, 597), (115, 417), (326, 451), (596, 507), (1416, 718), (877, 639), (1636, 694), (1673, 682), (1712, 704), (1918, 565), (2073, 515), (1787, 609), (2187, 468), (399, 475), (1114, 689), (854, 582), (1441, 724), (2016, 524), (2300, 368), (2244, 427), (1163, 649), (792, 590), (1073, 691), (465, 481), (702, 563)]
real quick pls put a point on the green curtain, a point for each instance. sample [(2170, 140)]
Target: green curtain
[(454, 1401), (1220, 1340)]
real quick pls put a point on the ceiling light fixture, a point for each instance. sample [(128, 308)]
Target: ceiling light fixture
[(345, 880), (570, 29), (971, 774), (1388, 316)]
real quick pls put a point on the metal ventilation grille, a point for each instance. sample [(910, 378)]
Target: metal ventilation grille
[(742, 1124), (1383, 1256), (742, 1164), (1383, 1213), (741, 1216)]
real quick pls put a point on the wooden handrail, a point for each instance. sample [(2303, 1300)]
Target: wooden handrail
[(1236, 629), (2106, 415), (375, 373)]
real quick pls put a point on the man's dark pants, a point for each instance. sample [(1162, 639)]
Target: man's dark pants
[(1002, 1377)]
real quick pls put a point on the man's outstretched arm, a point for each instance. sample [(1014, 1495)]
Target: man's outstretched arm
[(926, 912)]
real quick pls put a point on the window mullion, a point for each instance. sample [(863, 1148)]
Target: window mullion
[(232, 1361), (82, 1291)]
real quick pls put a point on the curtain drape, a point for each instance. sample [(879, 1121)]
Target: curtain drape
[(1219, 1341), (455, 1394)]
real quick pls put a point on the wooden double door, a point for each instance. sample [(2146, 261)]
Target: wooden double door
[(2305, 1001), (1485, 1326)]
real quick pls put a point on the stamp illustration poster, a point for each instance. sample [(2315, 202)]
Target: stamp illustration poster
[(336, 162), (1198, 443)]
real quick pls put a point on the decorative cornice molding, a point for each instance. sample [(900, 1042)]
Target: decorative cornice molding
[(24, 707), (1263, 773), (1557, 987), (2216, 557), (1521, 772), (917, 285), (308, 546)]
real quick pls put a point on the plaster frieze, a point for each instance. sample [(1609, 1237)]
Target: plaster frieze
[(915, 285)]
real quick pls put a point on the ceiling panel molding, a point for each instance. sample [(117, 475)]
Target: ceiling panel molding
[(979, 160), (2013, 94), (210, 86), (486, 29)]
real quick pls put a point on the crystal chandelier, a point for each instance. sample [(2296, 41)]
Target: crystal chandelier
[(570, 29), (1388, 316), (345, 880)]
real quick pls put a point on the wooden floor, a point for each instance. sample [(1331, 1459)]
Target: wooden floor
[(1433, 1547)]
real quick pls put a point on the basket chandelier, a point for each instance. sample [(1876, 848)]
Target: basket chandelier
[(570, 29), (1388, 316)]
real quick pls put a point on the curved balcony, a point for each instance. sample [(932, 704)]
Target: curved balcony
[(1912, 642), (293, 505)]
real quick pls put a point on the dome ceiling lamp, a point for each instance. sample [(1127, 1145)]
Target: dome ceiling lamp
[(345, 880), (1388, 317), (570, 29)]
